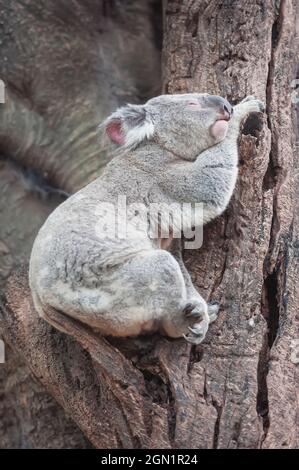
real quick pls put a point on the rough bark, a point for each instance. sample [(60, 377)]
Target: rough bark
[(248, 260), (30, 417), (238, 389)]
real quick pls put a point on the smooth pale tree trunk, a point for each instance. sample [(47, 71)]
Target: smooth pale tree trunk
[(239, 388)]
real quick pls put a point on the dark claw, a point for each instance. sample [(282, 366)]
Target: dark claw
[(188, 309), (192, 310)]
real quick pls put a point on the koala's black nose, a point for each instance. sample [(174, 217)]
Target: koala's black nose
[(221, 104)]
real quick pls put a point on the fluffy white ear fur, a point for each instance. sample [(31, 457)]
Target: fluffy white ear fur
[(129, 125), (139, 133)]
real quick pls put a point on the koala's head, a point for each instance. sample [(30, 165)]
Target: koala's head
[(184, 124)]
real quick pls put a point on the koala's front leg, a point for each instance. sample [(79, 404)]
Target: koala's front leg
[(196, 308), (248, 105)]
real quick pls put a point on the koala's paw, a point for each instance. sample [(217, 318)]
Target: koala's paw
[(249, 105), (203, 314), (248, 98), (197, 333), (197, 311)]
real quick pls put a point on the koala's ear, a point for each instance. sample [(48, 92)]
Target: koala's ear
[(115, 132), (130, 125)]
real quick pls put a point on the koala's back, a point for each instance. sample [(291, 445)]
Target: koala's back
[(70, 251), (55, 251)]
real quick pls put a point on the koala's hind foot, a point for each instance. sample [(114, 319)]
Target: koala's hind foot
[(151, 296), (197, 313), (203, 314)]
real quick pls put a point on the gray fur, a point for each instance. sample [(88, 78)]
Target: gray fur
[(124, 287)]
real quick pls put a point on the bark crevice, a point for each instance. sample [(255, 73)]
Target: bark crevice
[(219, 410), (272, 180)]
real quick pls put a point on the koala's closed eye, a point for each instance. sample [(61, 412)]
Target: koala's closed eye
[(194, 103)]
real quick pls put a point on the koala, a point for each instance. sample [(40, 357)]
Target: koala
[(173, 149)]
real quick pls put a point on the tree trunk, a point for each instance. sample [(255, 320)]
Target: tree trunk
[(249, 258), (239, 388)]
